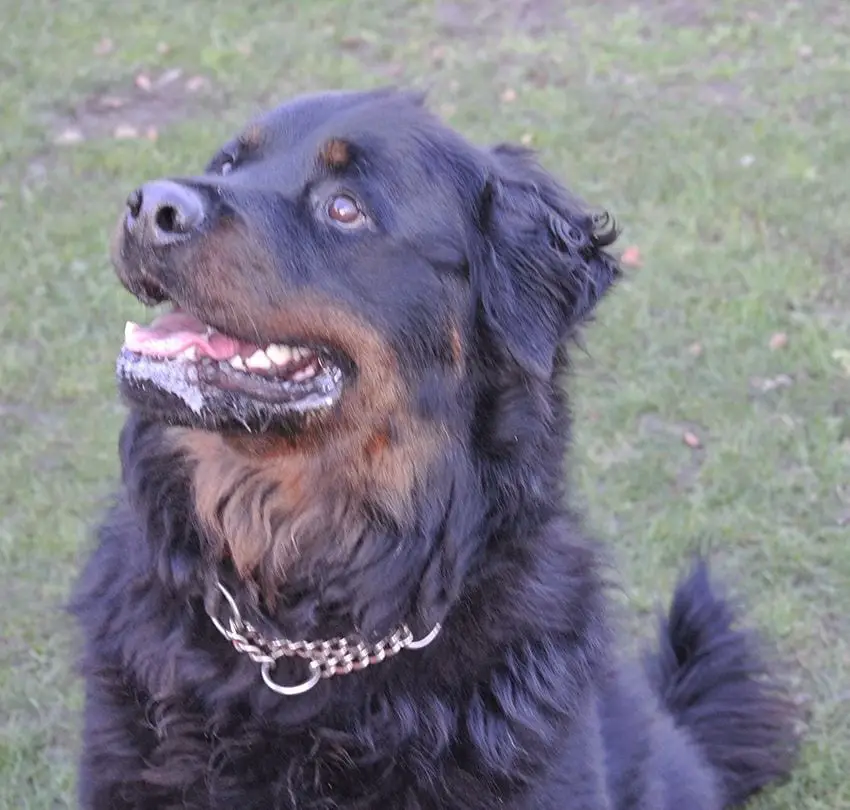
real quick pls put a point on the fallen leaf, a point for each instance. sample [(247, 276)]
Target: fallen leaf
[(351, 42), (695, 349), (151, 133), (691, 439), (195, 83), (509, 95), (778, 340), (526, 139), (143, 82), (125, 132), (105, 46), (631, 257), (69, 136)]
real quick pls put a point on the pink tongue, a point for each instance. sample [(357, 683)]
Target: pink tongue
[(174, 332)]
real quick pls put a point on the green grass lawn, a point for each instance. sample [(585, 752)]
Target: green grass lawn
[(721, 140)]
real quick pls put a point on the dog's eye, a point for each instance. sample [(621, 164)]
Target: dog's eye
[(344, 209)]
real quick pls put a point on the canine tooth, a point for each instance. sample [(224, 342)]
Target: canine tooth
[(129, 328), (259, 361), (191, 353), (237, 362), (280, 355)]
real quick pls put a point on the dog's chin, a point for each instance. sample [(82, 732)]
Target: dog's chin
[(184, 372)]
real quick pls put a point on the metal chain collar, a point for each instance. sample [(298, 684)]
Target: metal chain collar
[(336, 656)]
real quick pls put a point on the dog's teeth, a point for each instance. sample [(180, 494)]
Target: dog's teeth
[(191, 353), (129, 328), (304, 373), (259, 361), (280, 355), (237, 362)]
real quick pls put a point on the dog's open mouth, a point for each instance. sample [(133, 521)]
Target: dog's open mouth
[(190, 372)]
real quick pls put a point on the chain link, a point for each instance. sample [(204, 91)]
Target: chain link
[(325, 659)]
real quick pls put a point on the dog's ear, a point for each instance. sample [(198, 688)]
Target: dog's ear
[(541, 266)]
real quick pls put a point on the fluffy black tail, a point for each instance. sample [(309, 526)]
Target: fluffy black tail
[(715, 683)]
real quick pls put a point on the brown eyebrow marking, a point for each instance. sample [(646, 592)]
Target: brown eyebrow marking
[(336, 154), (252, 137)]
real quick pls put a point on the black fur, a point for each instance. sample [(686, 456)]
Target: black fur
[(522, 701), (712, 679)]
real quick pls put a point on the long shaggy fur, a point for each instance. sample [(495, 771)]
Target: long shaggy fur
[(714, 682), (433, 493)]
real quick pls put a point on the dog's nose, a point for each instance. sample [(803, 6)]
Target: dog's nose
[(164, 212)]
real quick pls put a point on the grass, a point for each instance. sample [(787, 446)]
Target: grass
[(719, 138)]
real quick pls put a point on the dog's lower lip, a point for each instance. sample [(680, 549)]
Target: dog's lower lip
[(212, 395), (182, 357), (260, 387)]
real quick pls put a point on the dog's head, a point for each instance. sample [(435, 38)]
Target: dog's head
[(355, 296), (340, 255)]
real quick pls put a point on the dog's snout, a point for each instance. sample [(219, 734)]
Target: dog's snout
[(164, 212)]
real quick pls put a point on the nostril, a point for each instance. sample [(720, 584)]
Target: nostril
[(163, 212), (169, 220), (134, 202)]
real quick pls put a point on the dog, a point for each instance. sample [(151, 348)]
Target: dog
[(341, 570)]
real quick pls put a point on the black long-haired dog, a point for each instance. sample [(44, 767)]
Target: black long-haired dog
[(340, 572)]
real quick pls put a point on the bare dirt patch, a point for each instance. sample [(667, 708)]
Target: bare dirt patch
[(140, 108), (472, 20)]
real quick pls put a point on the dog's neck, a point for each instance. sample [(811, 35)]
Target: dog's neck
[(356, 568), (330, 540), (293, 539)]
